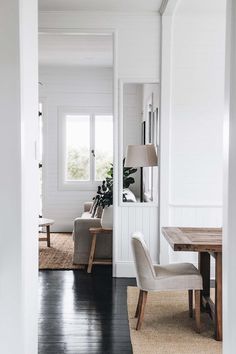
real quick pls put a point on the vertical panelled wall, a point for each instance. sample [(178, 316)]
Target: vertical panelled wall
[(137, 57), (68, 88), (196, 118), (136, 218)]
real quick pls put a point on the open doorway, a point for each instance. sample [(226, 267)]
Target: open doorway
[(76, 95)]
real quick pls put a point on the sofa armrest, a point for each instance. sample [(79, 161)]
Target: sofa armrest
[(81, 224), (87, 206)]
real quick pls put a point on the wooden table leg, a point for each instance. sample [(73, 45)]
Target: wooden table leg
[(91, 255), (218, 296), (204, 267), (48, 235)]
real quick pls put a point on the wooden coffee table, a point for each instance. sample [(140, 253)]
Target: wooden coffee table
[(46, 223)]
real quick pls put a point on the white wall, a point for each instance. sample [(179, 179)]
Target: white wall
[(195, 137), (18, 177), (68, 87), (138, 37)]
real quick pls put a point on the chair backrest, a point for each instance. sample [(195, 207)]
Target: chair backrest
[(142, 259)]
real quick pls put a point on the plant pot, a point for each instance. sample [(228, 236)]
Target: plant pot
[(107, 217)]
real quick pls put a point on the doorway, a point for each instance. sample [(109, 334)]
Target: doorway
[(76, 72)]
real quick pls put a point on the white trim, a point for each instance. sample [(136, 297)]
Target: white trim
[(114, 33), (165, 122), (121, 14), (140, 205), (229, 192), (125, 270), (115, 152), (168, 7), (44, 102), (194, 205), (163, 6), (77, 31)]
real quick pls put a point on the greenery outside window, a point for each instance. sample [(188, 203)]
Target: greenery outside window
[(86, 149)]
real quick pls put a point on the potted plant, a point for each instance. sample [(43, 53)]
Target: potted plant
[(104, 195), (105, 200), (127, 178)]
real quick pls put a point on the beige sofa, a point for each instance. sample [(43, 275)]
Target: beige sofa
[(82, 238)]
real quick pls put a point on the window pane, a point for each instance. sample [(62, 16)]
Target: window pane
[(103, 145), (77, 147)]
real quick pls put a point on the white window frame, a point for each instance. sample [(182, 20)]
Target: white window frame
[(62, 113)]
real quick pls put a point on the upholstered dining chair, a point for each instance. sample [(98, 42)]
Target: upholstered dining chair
[(178, 276)]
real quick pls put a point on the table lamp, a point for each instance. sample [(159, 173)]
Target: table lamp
[(141, 156)]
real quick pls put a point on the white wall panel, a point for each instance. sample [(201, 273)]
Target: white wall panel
[(130, 219)]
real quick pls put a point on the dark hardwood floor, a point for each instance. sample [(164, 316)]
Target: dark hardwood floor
[(82, 313)]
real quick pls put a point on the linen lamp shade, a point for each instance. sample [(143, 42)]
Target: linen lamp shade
[(141, 156)]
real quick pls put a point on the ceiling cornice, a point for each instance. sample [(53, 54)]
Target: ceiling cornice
[(163, 6)]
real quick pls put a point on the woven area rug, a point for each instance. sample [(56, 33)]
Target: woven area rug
[(60, 255), (167, 328)]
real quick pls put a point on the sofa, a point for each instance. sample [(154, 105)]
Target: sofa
[(82, 238)]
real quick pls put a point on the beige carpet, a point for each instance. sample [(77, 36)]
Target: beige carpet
[(167, 328), (59, 255)]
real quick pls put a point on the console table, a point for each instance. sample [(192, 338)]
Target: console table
[(94, 231), (46, 223)]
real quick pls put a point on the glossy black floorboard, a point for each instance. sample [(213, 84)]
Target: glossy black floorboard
[(82, 313)]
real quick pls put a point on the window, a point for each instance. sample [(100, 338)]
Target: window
[(103, 145), (86, 149), (77, 148)]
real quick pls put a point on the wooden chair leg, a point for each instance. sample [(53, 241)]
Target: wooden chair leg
[(138, 304), (190, 303), (142, 308), (198, 310)]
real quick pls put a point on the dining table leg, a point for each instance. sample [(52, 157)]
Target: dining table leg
[(218, 296), (204, 263)]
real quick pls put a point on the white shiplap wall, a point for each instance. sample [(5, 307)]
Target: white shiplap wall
[(136, 218), (67, 87)]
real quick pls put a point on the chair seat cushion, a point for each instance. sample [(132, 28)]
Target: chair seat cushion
[(177, 276)]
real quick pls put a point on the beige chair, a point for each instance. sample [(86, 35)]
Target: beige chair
[(178, 276)]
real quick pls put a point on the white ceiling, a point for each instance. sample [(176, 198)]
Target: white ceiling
[(75, 50), (100, 5)]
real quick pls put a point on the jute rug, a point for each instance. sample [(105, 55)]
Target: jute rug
[(60, 255), (167, 328)]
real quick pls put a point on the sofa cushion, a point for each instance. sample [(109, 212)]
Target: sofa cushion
[(86, 215)]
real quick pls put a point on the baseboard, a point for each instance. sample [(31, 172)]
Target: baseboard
[(62, 228), (124, 270)]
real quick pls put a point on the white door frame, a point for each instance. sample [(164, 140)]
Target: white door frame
[(229, 210), (113, 32)]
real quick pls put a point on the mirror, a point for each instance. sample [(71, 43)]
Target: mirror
[(140, 138)]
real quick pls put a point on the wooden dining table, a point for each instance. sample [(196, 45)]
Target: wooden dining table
[(207, 242)]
